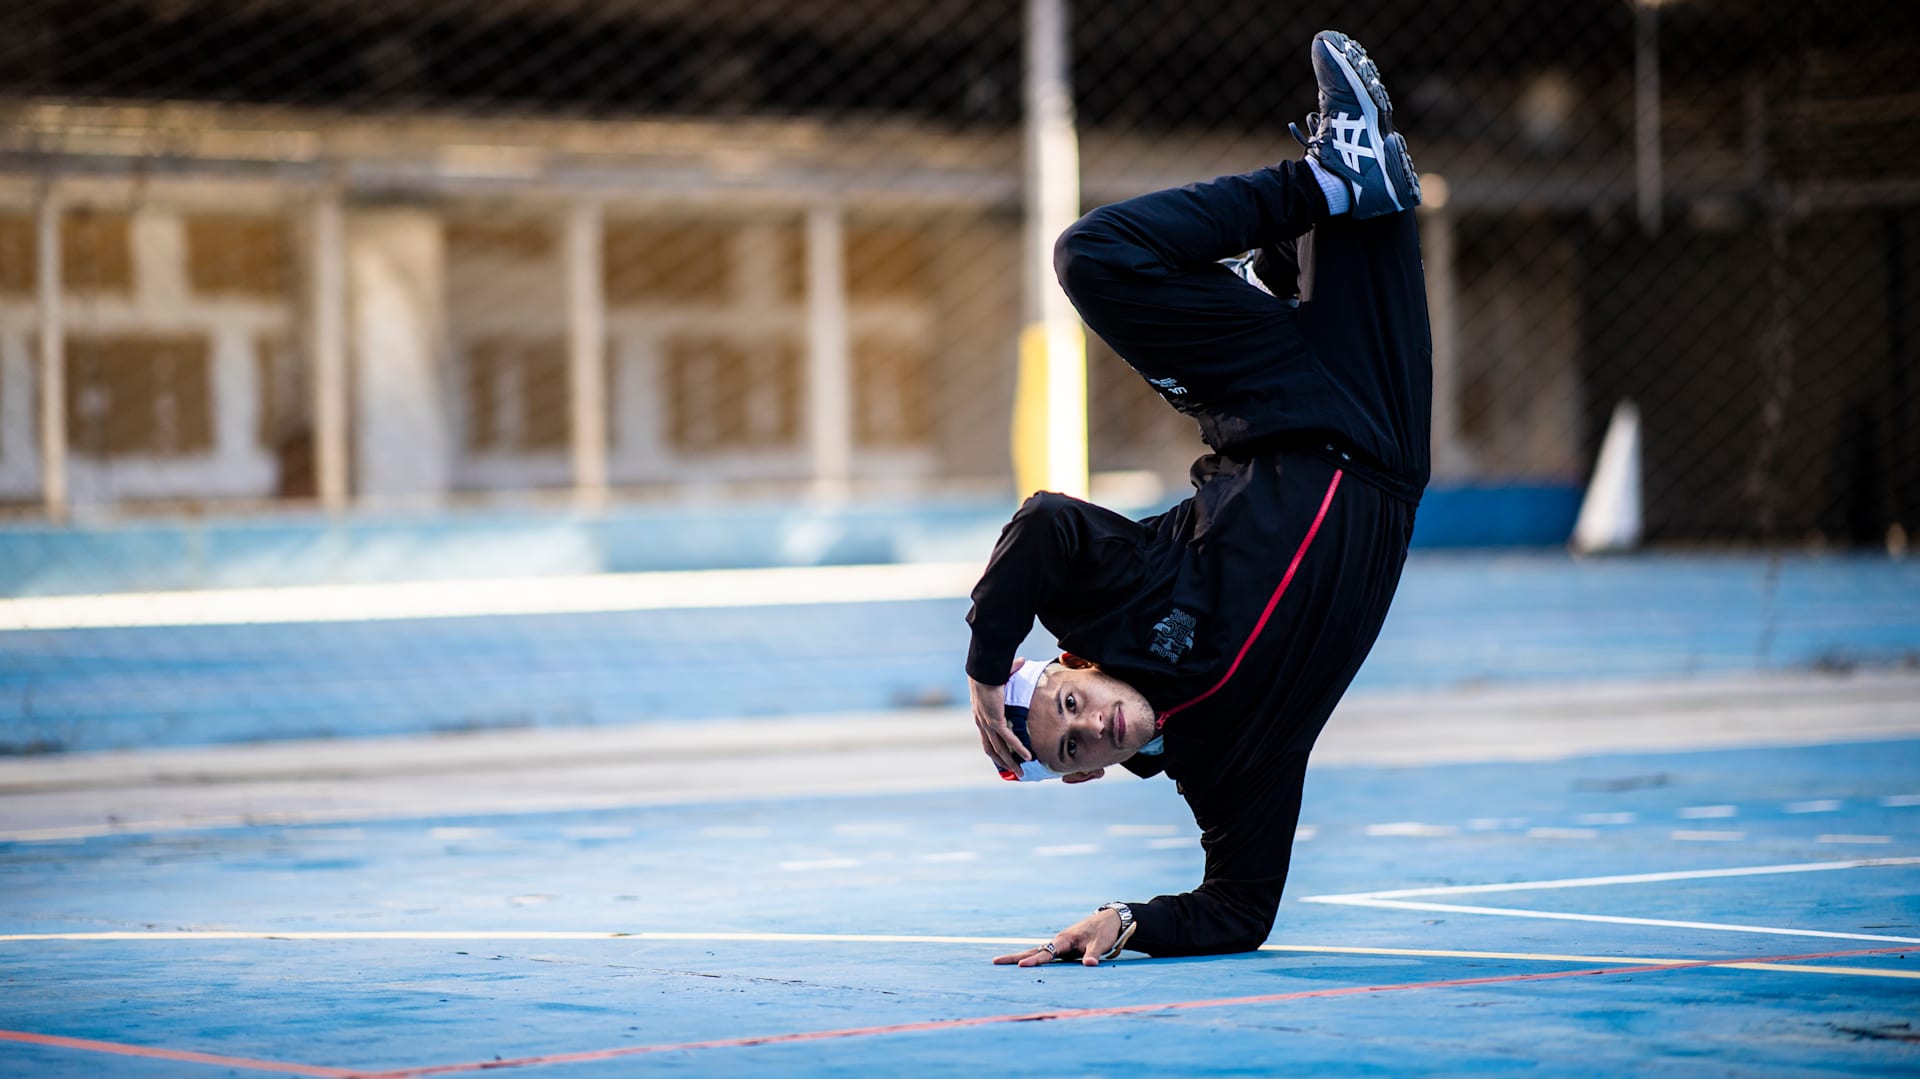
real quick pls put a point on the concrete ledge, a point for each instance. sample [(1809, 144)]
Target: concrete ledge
[(84, 795)]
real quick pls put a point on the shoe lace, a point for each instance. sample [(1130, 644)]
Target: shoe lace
[(1313, 125)]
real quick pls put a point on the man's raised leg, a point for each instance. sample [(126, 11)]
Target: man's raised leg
[(1145, 275)]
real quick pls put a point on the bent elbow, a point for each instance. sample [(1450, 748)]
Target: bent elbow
[(1251, 925)]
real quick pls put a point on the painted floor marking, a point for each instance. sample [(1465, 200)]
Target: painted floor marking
[(185, 1056), (1061, 1015), (1611, 965), (806, 865), (1627, 878), (1897, 801), (946, 1024), (1691, 835), (1561, 833), (1817, 805), (1708, 812), (581, 594), (1845, 838), (1619, 919), (1605, 818), (162, 935), (1406, 898), (1412, 828)]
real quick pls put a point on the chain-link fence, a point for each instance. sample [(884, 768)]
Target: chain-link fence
[(354, 252)]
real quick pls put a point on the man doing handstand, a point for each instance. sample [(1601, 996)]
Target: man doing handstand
[(1211, 642)]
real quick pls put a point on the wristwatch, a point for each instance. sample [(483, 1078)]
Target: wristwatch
[(1127, 926)]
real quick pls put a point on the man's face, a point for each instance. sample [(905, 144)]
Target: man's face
[(1084, 719)]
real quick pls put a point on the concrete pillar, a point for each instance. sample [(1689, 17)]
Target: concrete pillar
[(586, 355), (53, 360), (829, 363), (1053, 348), (327, 341), (396, 294)]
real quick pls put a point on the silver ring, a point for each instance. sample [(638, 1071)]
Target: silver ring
[(1049, 947)]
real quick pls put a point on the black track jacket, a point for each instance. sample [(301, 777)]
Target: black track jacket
[(1242, 614)]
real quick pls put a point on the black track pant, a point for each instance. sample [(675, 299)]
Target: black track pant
[(1350, 362)]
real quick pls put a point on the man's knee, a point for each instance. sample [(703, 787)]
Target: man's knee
[(1084, 255)]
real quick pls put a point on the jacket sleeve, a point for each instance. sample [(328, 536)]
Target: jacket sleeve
[(1056, 552), (1248, 852)]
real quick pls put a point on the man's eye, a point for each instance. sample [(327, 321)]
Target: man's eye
[(1072, 705), (1072, 747)]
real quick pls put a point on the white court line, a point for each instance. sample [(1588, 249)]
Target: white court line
[(1142, 829), (1411, 828), (1845, 838), (878, 938), (1611, 919), (1401, 899), (1692, 835), (1708, 812), (1629, 878), (582, 594), (1818, 805), (1065, 849), (810, 864), (1562, 833)]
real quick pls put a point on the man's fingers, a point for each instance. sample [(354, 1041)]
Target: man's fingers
[(999, 753), (1012, 742), (1002, 746)]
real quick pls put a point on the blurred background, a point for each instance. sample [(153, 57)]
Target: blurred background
[(335, 291)]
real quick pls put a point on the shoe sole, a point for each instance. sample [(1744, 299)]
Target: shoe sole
[(1364, 79)]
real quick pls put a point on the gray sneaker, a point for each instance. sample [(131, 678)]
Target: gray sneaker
[(1352, 135)]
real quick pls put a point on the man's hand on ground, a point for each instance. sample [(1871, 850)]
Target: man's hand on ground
[(990, 715), (1086, 940)]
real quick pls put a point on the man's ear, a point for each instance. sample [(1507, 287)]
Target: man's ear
[(1074, 663), (1083, 777)]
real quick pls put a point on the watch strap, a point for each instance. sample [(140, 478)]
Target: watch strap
[(1127, 927)]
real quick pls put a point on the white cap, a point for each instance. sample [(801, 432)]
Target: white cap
[(1019, 696)]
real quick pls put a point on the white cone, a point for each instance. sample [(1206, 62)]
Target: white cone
[(1610, 514)]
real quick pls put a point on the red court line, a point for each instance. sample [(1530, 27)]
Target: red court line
[(187, 1056), (1090, 1013)]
